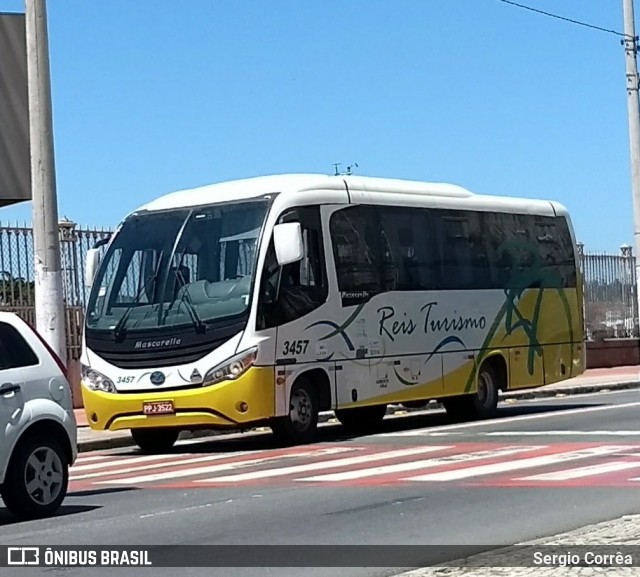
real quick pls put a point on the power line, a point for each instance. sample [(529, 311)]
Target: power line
[(563, 18)]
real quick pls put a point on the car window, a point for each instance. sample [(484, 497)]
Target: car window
[(15, 352)]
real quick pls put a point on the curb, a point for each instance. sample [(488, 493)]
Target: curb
[(574, 390), (126, 441), (106, 443)]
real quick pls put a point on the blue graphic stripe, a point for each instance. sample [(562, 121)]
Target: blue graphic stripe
[(443, 343), (402, 380), (337, 331)]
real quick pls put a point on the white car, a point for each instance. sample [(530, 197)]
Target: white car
[(38, 431)]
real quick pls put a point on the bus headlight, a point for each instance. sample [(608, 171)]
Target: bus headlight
[(96, 381), (232, 368)]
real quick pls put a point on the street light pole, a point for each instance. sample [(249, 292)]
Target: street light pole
[(49, 304), (633, 106)]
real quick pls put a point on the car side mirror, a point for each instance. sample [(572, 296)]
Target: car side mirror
[(91, 265), (287, 240)]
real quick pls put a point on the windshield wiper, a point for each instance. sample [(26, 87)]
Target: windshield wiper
[(168, 271), (198, 323), (119, 328)]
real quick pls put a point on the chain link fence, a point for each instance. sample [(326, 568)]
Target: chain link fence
[(609, 283)]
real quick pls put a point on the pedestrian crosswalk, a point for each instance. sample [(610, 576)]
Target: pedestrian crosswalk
[(330, 464)]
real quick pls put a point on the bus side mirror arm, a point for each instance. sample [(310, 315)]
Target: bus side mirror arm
[(287, 240)]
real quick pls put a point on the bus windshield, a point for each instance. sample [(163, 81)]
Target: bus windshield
[(176, 267)]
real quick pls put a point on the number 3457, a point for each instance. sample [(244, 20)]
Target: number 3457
[(295, 347)]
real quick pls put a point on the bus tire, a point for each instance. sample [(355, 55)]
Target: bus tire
[(156, 440), (484, 402), (361, 419), (300, 426), (479, 405)]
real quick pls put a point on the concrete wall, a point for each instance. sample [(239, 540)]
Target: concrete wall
[(609, 353)]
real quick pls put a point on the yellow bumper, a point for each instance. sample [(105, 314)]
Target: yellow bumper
[(248, 399)]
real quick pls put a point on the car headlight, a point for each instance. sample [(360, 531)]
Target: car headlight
[(232, 368), (96, 381)]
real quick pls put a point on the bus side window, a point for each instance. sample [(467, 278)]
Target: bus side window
[(556, 250), (512, 250), (569, 273), (290, 292), (357, 249), (412, 247), (457, 261)]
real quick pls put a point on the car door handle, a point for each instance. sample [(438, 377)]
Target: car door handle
[(9, 388)]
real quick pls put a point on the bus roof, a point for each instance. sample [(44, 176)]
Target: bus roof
[(290, 184)]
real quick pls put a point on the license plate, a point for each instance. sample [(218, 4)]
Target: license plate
[(158, 408)]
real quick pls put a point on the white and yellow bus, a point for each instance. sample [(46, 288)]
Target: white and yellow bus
[(265, 301)]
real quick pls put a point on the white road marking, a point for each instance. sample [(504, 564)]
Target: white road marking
[(89, 458), (559, 433), (175, 463), (321, 465), (507, 466), (580, 472), (507, 420), (189, 472), (123, 461), (172, 511), (423, 464)]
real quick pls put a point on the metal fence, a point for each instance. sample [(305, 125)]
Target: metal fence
[(17, 274), (609, 283), (611, 306)]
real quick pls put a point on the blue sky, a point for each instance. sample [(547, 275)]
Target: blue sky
[(155, 96)]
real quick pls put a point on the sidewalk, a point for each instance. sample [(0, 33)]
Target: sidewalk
[(593, 380), (580, 553)]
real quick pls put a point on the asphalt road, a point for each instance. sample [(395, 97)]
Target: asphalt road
[(542, 467)]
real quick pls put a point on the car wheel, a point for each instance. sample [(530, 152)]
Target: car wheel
[(37, 478)]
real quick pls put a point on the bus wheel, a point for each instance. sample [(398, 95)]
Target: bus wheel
[(485, 400), (480, 405), (155, 440), (300, 425), (361, 419)]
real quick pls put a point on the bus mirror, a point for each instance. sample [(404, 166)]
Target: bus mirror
[(91, 266), (287, 239)]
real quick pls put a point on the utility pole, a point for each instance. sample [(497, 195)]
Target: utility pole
[(50, 321), (633, 104)]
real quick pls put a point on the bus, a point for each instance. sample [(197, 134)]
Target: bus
[(265, 301)]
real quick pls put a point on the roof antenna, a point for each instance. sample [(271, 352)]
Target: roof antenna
[(348, 172)]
